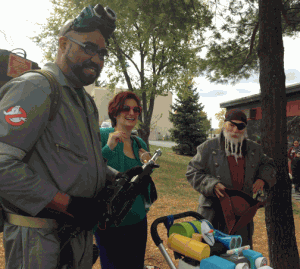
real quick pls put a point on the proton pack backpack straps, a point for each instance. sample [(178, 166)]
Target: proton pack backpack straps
[(56, 91), (55, 96)]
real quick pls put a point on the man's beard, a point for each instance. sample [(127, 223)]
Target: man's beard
[(233, 145), (78, 71)]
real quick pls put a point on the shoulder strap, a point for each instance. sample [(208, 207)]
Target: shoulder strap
[(56, 91), (134, 137), (55, 96), (94, 105)]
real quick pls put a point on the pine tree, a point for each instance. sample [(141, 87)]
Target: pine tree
[(189, 131)]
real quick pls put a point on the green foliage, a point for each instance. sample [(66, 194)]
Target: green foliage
[(228, 57), (206, 121), (188, 121), (154, 43)]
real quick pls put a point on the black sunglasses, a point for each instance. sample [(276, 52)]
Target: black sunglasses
[(240, 126), (91, 49), (136, 109)]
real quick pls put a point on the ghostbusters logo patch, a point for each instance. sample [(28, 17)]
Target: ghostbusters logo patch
[(15, 115)]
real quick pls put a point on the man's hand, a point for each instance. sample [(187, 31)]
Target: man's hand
[(60, 203), (258, 185), (219, 190)]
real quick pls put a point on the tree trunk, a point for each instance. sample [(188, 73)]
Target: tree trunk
[(279, 218), (144, 133)]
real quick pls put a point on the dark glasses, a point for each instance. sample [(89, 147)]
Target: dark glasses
[(91, 48), (240, 126), (136, 109)]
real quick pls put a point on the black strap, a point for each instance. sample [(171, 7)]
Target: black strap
[(134, 137), (94, 106), (55, 96), (56, 91)]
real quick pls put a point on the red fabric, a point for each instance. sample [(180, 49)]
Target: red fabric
[(227, 209), (238, 201), (240, 205), (237, 171)]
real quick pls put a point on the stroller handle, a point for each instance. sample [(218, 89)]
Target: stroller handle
[(157, 240)]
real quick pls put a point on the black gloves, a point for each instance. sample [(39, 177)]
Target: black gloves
[(129, 174), (85, 211)]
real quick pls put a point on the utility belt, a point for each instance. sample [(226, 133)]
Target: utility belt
[(66, 255), (32, 222)]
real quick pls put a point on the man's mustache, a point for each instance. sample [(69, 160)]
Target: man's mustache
[(232, 133), (92, 65), (229, 136)]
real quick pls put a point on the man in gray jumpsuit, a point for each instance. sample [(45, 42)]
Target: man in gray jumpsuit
[(66, 167), (229, 161)]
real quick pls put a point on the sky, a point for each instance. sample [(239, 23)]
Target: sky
[(20, 20)]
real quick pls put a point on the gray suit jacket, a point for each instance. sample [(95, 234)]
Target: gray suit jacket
[(210, 166)]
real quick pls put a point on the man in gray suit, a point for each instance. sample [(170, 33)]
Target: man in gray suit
[(65, 172), (229, 161)]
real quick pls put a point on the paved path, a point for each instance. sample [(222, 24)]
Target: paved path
[(296, 195), (166, 144)]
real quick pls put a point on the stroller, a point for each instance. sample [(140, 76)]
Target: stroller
[(203, 247)]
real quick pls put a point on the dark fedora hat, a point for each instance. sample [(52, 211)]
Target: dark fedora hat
[(238, 208)]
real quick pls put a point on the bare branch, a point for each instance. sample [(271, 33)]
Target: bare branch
[(283, 11), (161, 65), (122, 61), (5, 36), (253, 38), (153, 56), (130, 59)]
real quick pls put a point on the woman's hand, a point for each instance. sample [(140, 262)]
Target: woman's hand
[(144, 155), (114, 138)]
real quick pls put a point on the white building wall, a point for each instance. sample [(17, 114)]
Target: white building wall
[(160, 124)]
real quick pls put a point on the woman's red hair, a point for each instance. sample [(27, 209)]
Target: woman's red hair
[(116, 104)]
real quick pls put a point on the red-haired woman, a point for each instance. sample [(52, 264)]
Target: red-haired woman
[(124, 246)]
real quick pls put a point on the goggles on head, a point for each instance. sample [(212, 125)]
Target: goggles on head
[(96, 18), (240, 126)]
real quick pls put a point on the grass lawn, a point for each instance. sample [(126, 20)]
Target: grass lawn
[(176, 195), (170, 177)]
